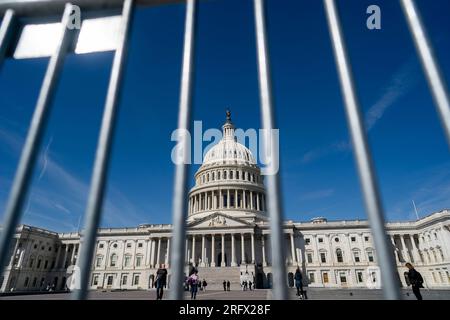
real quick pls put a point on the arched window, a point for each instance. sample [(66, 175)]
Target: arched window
[(237, 175), (113, 262), (356, 256), (339, 255), (231, 174), (225, 175), (323, 256), (370, 255), (213, 176), (207, 177), (218, 175)]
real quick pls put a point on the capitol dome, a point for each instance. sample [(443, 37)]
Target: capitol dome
[(228, 150), (228, 181)]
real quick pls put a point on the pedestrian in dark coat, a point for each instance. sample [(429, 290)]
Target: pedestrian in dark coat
[(416, 280)]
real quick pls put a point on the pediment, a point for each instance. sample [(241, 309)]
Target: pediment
[(219, 220)]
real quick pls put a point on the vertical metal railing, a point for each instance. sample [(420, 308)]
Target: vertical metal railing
[(180, 194), (6, 31), (22, 179), (362, 156), (272, 179), (435, 79), (102, 157)]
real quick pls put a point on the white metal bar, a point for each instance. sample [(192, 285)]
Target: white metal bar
[(429, 63), (272, 180), (363, 158), (6, 31), (180, 195), (102, 157), (22, 179)]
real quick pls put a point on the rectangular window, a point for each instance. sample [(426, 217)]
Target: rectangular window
[(359, 276), (100, 245), (136, 280), (45, 264), (343, 277), (370, 256), (320, 240), (311, 277), (39, 263), (31, 263), (98, 262), (307, 240), (323, 257), (127, 261), (110, 280), (309, 257), (366, 238), (356, 256), (138, 261), (140, 245), (353, 239), (95, 280), (128, 245), (124, 280), (325, 277)]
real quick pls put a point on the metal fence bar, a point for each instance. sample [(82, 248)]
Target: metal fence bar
[(180, 195), (363, 158), (272, 179), (102, 157), (430, 66), (6, 31), (22, 179)]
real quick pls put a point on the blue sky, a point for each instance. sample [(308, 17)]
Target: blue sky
[(317, 167)]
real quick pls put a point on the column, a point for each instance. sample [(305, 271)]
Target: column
[(263, 199), (66, 252), (147, 252), (253, 248), (158, 254), (251, 200), (186, 252), (223, 249), (242, 249), (203, 251), (258, 208), (236, 204), (59, 254), (244, 198), (397, 259), (233, 251), (72, 256), (220, 199), (405, 252), (294, 259), (415, 251), (213, 248), (263, 246), (167, 253), (228, 198), (153, 249), (193, 250)]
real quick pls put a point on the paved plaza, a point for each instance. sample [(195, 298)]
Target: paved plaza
[(261, 294)]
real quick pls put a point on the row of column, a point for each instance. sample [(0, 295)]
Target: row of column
[(191, 256), (408, 255), (65, 247), (226, 199)]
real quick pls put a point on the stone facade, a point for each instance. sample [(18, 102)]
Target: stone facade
[(228, 237)]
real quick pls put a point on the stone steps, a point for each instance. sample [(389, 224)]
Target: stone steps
[(215, 276)]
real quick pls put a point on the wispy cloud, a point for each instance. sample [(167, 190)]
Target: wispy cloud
[(59, 192), (402, 82)]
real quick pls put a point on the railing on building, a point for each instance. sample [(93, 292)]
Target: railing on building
[(14, 10)]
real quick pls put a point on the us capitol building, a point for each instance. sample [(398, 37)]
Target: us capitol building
[(228, 239)]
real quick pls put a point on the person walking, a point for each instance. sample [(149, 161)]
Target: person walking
[(204, 284), (194, 282), (299, 283), (415, 279), (224, 285), (228, 285), (161, 278), (250, 285)]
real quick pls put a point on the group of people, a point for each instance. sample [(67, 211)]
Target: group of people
[(194, 283), (226, 285), (247, 285)]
